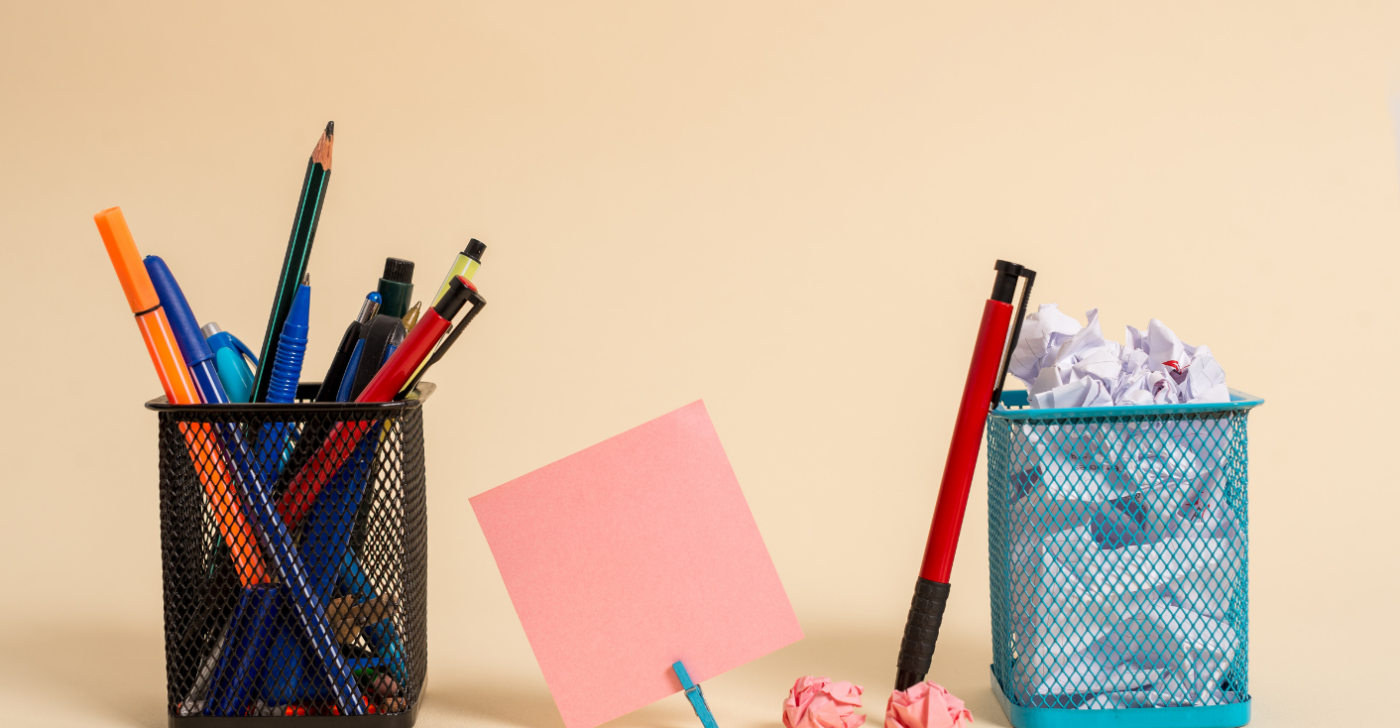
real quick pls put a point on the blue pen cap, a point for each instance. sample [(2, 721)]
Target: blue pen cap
[(220, 339), (231, 362), (299, 317), (370, 307), (291, 348), (216, 337), (177, 310)]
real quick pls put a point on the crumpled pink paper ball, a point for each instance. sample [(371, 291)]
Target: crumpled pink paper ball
[(817, 702), (926, 705)]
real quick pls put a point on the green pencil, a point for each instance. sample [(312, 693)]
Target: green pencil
[(313, 194)]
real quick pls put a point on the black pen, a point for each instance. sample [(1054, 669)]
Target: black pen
[(331, 384)]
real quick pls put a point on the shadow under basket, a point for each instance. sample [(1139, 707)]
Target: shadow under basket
[(1119, 563), (294, 555)]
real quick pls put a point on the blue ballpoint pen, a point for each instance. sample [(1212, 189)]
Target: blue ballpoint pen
[(229, 687), (193, 348), (326, 551), (347, 382), (375, 337), (277, 540), (274, 438), (330, 384)]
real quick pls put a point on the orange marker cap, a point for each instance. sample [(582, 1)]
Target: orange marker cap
[(136, 282)]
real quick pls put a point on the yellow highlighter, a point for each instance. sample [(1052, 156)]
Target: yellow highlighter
[(466, 264)]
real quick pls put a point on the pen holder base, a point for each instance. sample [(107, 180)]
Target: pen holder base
[(390, 720), (335, 626)]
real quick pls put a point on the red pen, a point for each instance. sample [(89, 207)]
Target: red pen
[(384, 387), (931, 591)]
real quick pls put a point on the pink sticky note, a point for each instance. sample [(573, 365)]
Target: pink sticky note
[(633, 554)]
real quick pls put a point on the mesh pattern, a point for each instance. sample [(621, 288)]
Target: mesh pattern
[(1119, 558), (316, 604)]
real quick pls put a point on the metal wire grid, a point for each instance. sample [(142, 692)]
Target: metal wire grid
[(235, 644), (1119, 559)]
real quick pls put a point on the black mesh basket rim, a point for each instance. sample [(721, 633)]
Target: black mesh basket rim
[(305, 390)]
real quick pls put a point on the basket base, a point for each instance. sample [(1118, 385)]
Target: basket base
[(393, 720), (1201, 716)]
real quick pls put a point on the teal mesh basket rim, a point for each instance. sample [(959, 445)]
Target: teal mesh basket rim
[(1017, 398)]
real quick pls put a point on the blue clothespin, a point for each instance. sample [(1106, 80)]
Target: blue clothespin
[(696, 697)]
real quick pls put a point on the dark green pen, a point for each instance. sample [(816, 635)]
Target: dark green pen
[(396, 287)]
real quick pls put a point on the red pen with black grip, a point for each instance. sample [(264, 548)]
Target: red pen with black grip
[(931, 592), (384, 387)]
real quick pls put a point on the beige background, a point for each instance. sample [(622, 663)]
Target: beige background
[(789, 210)]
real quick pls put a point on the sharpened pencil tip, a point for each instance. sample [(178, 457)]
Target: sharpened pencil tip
[(322, 153)]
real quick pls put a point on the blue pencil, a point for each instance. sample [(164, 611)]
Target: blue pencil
[(276, 540)]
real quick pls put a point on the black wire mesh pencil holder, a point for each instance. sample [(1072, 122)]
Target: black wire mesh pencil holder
[(242, 619)]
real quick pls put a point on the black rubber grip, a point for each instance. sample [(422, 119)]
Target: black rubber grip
[(921, 633)]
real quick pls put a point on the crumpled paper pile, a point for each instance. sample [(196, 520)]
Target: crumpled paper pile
[(1127, 552), (817, 702), (1067, 365), (926, 705)]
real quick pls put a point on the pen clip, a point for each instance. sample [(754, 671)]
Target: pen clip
[(1020, 316), (243, 348), (478, 303)]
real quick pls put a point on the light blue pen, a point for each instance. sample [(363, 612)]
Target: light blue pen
[(230, 362)]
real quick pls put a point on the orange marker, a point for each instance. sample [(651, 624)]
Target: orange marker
[(179, 389)]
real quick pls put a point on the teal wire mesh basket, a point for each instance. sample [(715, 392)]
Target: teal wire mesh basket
[(1119, 547)]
